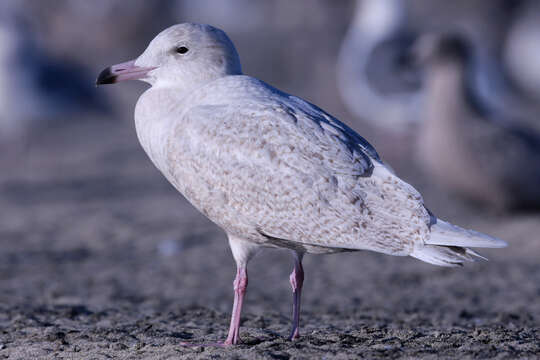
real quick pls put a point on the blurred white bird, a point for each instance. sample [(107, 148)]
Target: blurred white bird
[(377, 81), (271, 169), (381, 84), (37, 90)]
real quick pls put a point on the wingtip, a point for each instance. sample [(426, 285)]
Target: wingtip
[(503, 243), (446, 234), (498, 243)]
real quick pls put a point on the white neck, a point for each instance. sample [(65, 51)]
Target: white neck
[(152, 122)]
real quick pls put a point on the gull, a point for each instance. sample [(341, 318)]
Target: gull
[(380, 83), (38, 90), (464, 143), (271, 169)]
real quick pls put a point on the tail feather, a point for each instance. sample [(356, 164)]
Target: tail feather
[(474, 253), (441, 255), (448, 245)]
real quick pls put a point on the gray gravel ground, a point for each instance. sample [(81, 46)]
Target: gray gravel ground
[(100, 258)]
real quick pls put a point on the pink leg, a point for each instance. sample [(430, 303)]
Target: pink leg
[(297, 280), (242, 252), (240, 286)]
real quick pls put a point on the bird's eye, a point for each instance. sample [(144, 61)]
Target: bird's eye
[(182, 49)]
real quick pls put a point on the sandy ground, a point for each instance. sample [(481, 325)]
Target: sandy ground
[(100, 258)]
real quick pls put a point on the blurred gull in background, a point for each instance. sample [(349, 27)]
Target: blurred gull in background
[(465, 144), (381, 85), (377, 81), (36, 89)]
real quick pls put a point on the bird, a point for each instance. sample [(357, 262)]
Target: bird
[(377, 80), (38, 90), (271, 169), (464, 143)]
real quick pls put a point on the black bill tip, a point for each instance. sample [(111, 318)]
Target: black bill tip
[(106, 77)]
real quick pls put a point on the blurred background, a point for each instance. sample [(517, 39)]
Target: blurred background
[(447, 92)]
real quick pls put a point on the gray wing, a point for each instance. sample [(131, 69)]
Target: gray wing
[(336, 127)]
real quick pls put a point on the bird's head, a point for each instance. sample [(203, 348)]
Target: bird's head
[(183, 53), (434, 48)]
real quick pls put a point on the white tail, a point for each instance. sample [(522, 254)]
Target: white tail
[(448, 245)]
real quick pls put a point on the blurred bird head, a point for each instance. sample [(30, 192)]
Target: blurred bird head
[(434, 48), (183, 53)]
